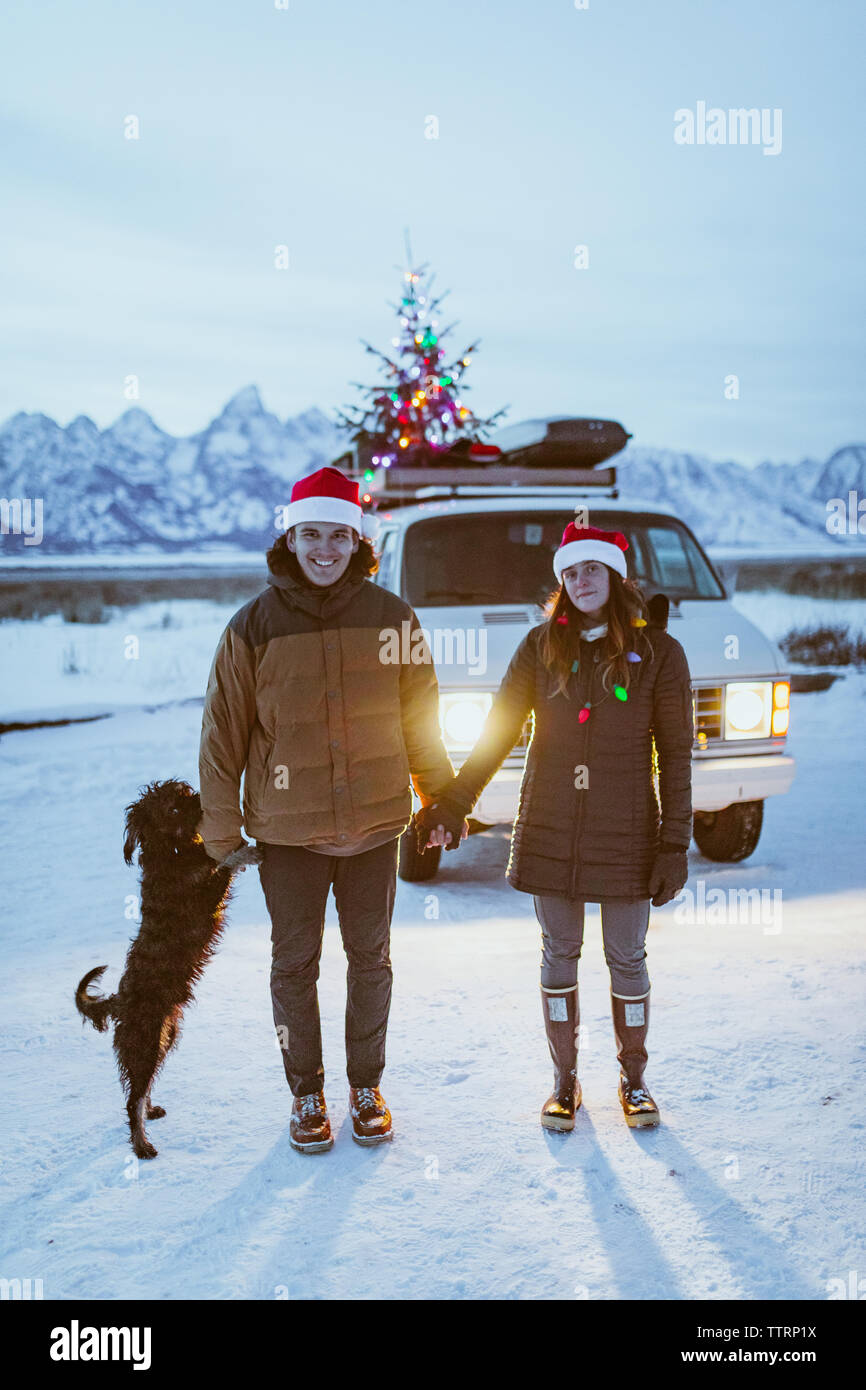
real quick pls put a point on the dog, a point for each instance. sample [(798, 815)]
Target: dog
[(184, 894)]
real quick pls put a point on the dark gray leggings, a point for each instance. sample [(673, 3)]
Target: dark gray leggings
[(624, 925)]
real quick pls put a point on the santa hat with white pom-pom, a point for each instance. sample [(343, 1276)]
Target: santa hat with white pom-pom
[(589, 543), (328, 495)]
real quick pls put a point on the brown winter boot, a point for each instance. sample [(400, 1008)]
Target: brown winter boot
[(309, 1126), (371, 1118), (561, 1022), (630, 1024)]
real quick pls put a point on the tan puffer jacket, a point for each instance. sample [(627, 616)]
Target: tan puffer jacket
[(327, 735)]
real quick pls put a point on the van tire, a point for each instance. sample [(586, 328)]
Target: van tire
[(729, 835), (412, 866)]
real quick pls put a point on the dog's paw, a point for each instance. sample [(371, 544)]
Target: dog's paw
[(241, 858), (155, 1112), (145, 1149)]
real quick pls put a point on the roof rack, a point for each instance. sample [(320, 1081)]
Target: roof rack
[(553, 456), (403, 486)]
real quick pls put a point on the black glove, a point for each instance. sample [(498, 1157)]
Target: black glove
[(442, 812), (670, 872)]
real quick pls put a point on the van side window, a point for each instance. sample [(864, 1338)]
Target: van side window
[(672, 565), (387, 556)]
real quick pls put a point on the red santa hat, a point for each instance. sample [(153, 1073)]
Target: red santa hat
[(588, 543), (327, 495)]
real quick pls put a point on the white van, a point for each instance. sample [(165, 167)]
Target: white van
[(470, 548)]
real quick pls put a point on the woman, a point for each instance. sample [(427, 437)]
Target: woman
[(604, 681)]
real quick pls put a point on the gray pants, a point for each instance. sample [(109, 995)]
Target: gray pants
[(624, 925), (296, 882)]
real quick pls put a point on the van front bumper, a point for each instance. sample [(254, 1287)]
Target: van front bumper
[(716, 783), (720, 782)]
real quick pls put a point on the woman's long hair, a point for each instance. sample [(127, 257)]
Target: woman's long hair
[(283, 561), (560, 639)]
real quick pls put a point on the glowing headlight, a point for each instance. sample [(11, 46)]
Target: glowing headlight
[(462, 716), (747, 709)]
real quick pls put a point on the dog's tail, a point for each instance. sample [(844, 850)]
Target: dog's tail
[(96, 1007)]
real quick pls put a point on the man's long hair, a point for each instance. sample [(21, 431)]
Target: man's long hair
[(283, 561), (560, 640)]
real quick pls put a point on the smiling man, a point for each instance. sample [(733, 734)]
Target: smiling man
[(328, 737)]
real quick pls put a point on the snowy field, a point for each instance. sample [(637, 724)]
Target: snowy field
[(776, 613), (753, 1186), (151, 654)]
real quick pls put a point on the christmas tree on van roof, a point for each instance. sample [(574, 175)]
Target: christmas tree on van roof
[(417, 416)]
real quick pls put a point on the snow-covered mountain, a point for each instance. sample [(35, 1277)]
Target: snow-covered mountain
[(778, 505), (135, 487)]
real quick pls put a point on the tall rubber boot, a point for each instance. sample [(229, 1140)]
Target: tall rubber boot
[(630, 1025), (561, 1022)]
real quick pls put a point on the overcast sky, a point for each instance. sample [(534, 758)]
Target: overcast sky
[(307, 127)]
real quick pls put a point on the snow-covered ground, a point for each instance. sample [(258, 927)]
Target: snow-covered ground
[(150, 654), (776, 613), (753, 1186)]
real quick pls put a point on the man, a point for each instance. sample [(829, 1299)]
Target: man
[(328, 734)]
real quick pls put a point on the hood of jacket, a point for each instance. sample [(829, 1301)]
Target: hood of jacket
[(322, 601)]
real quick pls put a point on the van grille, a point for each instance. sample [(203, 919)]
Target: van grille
[(707, 702), (518, 617)]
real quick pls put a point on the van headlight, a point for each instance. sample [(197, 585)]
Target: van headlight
[(462, 716), (748, 706)]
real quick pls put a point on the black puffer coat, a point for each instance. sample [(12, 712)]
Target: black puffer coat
[(597, 840)]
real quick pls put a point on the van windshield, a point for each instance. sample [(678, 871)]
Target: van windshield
[(507, 557)]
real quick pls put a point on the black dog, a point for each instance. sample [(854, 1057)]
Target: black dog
[(184, 894)]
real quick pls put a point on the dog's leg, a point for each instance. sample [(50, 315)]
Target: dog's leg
[(140, 1070), (136, 1109), (167, 1039)]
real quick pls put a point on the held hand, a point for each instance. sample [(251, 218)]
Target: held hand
[(440, 836), (439, 824), (669, 875)]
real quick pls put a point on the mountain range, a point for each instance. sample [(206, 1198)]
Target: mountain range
[(135, 487)]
